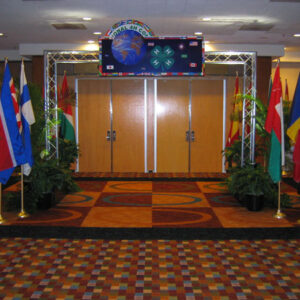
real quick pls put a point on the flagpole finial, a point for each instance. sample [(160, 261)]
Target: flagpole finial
[(5, 60), (237, 73), (278, 61), (65, 72)]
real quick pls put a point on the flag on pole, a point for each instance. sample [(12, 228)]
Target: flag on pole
[(12, 149), (286, 93), (66, 116), (15, 102), (234, 126), (274, 125), (270, 89), (293, 130), (27, 117)]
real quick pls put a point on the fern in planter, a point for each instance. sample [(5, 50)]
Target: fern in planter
[(48, 175)]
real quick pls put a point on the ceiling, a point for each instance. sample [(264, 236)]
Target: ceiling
[(266, 22)]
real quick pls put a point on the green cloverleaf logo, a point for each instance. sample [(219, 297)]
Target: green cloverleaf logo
[(162, 58)]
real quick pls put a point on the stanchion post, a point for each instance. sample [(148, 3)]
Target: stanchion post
[(22, 213), (2, 220), (279, 214)]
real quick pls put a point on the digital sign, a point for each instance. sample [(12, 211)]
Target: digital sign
[(131, 54)]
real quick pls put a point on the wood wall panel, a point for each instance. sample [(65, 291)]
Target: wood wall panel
[(264, 68), (128, 122), (207, 123), (38, 71), (172, 124), (93, 123)]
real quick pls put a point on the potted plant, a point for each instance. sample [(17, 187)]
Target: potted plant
[(250, 184), (49, 174)]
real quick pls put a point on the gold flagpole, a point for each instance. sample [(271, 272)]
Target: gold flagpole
[(22, 213), (2, 220), (279, 214)]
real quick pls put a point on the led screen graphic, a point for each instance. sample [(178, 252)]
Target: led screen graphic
[(129, 53)]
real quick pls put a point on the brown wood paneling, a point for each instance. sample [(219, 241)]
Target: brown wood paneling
[(128, 122), (172, 124), (93, 124), (38, 70), (264, 69), (207, 123)]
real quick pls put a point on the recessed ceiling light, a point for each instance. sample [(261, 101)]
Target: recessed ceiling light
[(206, 19), (198, 33), (86, 19), (97, 33), (91, 42), (297, 35), (206, 42), (1, 34)]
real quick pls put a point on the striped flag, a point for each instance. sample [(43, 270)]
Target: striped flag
[(15, 103), (66, 117), (274, 125), (234, 126), (286, 93), (293, 131), (27, 117), (12, 149)]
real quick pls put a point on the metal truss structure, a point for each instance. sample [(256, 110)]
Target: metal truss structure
[(246, 59)]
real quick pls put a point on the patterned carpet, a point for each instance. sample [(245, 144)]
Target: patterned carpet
[(154, 270), (151, 240), (158, 204)]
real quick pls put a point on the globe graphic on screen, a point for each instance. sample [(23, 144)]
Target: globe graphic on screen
[(128, 47)]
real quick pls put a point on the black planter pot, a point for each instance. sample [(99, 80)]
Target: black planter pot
[(254, 203), (240, 199), (46, 201)]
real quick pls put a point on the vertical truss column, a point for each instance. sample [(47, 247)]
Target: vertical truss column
[(51, 59), (248, 60)]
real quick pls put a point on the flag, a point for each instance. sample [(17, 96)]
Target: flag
[(12, 149), (286, 93), (293, 130), (15, 103), (274, 125), (27, 117), (66, 115), (234, 126), (270, 89)]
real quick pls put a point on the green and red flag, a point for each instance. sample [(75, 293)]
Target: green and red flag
[(233, 134), (274, 125), (66, 115)]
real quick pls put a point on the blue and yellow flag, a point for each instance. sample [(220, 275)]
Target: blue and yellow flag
[(294, 125), (293, 131)]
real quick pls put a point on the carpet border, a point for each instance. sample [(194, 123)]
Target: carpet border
[(282, 233)]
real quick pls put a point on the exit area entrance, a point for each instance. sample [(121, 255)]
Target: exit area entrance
[(157, 124)]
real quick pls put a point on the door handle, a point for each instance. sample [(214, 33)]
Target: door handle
[(187, 136), (114, 135), (108, 135), (193, 136)]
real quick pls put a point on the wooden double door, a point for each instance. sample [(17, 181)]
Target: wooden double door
[(163, 125)]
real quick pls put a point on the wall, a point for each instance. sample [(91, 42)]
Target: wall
[(288, 71)]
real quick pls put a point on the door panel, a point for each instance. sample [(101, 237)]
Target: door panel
[(207, 123), (93, 124), (128, 123), (172, 123)]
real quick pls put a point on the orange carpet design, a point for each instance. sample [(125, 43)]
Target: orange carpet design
[(157, 204)]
